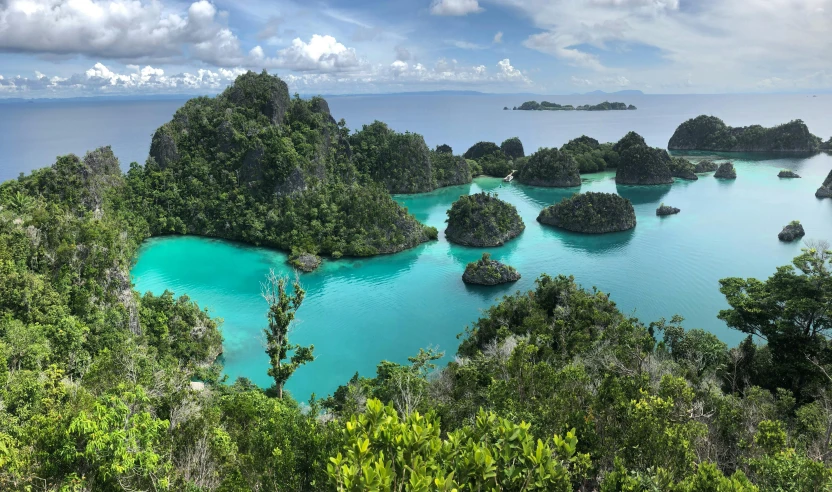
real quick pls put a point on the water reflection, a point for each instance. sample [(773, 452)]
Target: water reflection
[(593, 244), (643, 194)]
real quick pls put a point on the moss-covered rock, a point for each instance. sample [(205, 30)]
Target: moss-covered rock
[(711, 133), (486, 271), (640, 164), (825, 190), (481, 149), (726, 171), (787, 173), (513, 148), (683, 169), (593, 213), (482, 220), (706, 166), (666, 210), (305, 262), (794, 230), (549, 167)]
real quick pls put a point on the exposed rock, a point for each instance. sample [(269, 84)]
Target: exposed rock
[(550, 167), (726, 171), (825, 190), (706, 166), (197, 385), (263, 93), (711, 133), (683, 169), (591, 212), (792, 231), (251, 172), (305, 262), (640, 164), (486, 271), (666, 210), (787, 173), (163, 146), (482, 220)]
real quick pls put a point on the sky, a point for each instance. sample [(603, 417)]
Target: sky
[(62, 48)]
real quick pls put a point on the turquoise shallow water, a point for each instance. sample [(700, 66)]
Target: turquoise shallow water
[(361, 311)]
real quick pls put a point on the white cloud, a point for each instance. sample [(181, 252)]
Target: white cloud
[(117, 29), (455, 7), (615, 81), (465, 45), (498, 38), (746, 42), (101, 79), (320, 54), (507, 72)]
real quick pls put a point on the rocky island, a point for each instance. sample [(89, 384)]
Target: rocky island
[(257, 166), (794, 230), (305, 262), (787, 173), (482, 220), (591, 212), (825, 190), (666, 210), (640, 164), (706, 166), (550, 106), (711, 133), (486, 271), (726, 171), (682, 168), (551, 168)]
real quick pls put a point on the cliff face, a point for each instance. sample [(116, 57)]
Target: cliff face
[(825, 190), (550, 167), (711, 133), (640, 164), (726, 171), (592, 213), (482, 220)]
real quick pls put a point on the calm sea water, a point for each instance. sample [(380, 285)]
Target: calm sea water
[(359, 312)]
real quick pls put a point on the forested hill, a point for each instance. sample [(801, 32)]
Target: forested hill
[(258, 166), (711, 133)]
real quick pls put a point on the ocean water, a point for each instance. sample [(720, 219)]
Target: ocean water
[(359, 312)]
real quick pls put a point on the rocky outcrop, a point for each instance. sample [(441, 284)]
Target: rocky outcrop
[(794, 230), (682, 169), (711, 133), (482, 220), (268, 96), (486, 271), (666, 210), (449, 169), (640, 164), (787, 173), (706, 166), (163, 146), (726, 171), (825, 190), (592, 213), (551, 168), (400, 161), (305, 262), (481, 149), (513, 148)]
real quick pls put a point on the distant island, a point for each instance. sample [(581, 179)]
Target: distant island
[(550, 106), (711, 133), (591, 213)]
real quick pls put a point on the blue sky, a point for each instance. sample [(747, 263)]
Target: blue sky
[(57, 48)]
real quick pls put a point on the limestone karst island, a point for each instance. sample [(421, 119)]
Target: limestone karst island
[(273, 246)]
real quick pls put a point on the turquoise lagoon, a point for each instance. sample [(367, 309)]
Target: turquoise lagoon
[(361, 311)]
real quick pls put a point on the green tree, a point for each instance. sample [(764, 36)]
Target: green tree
[(281, 314)]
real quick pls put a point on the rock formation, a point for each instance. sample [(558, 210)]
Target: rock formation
[(305, 262), (825, 190), (486, 271), (726, 171), (794, 230), (482, 220), (787, 173), (683, 169), (666, 210), (711, 133), (640, 164), (550, 167), (706, 166), (593, 213)]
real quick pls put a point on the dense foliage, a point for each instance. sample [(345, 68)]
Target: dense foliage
[(682, 168), (640, 164), (711, 133), (550, 167), (512, 148), (481, 149), (482, 220), (255, 166), (590, 155), (590, 212)]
